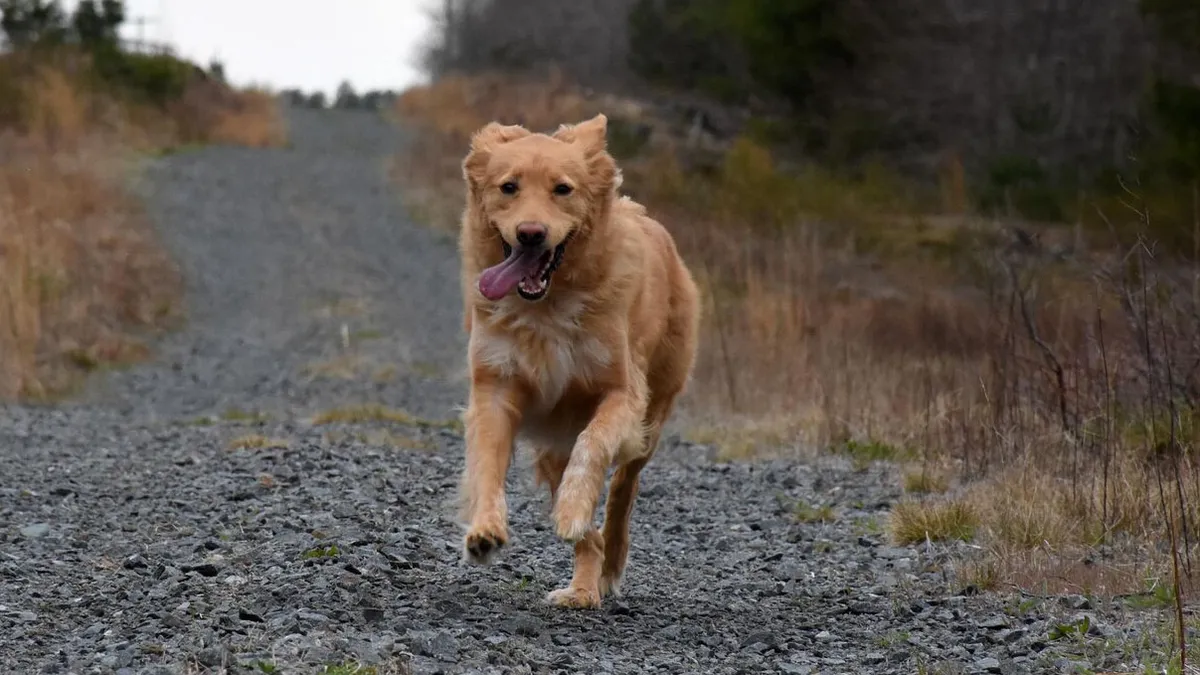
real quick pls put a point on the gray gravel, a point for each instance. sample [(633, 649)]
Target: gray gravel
[(134, 539)]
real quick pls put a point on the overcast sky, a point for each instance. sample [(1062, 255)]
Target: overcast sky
[(292, 43)]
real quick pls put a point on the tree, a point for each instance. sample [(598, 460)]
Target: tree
[(216, 70), (97, 24), (345, 97), (1179, 20), (729, 48), (1175, 101), (30, 22)]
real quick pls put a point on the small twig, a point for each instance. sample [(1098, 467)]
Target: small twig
[(1051, 359), (727, 361)]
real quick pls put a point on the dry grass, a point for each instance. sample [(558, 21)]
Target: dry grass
[(254, 120), (914, 522), (83, 279), (847, 312), (807, 513), (381, 437), (460, 105), (367, 413), (925, 480), (342, 367), (257, 442)]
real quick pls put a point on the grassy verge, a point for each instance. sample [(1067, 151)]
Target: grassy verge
[(1038, 384), (84, 282)]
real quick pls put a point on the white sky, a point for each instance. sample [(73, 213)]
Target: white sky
[(292, 43)]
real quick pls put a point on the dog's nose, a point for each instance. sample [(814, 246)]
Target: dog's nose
[(531, 234)]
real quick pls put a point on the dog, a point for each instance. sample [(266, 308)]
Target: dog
[(582, 320)]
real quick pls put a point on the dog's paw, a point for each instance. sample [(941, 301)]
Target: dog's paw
[(482, 543), (579, 598)]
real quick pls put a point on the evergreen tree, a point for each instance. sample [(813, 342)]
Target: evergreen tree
[(97, 23), (216, 70), (345, 97), (30, 22)]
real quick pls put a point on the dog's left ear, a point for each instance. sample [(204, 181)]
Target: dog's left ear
[(591, 134)]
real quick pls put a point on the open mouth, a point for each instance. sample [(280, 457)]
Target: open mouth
[(534, 286), (528, 270)]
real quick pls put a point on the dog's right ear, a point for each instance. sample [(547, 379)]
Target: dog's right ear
[(483, 142)]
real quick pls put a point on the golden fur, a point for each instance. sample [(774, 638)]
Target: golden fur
[(588, 373)]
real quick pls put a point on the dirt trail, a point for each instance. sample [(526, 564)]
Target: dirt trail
[(136, 540)]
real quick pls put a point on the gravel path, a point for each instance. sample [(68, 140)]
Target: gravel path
[(135, 539)]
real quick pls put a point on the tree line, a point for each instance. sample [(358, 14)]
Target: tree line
[(40, 22), (1020, 92)]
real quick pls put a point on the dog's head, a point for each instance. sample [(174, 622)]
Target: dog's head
[(535, 195)]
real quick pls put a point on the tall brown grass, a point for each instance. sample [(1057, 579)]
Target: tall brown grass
[(82, 272), (210, 112), (253, 121), (1058, 387), (84, 281)]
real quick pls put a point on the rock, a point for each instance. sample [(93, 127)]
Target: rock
[(313, 618), (35, 531), (203, 569), (995, 621), (671, 632), (1009, 636), (1077, 602), (988, 664), (215, 656), (440, 645)]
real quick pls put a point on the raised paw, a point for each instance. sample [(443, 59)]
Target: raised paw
[(481, 544), (571, 522), (572, 511), (579, 598)]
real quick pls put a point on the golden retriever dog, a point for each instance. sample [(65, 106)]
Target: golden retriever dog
[(583, 324)]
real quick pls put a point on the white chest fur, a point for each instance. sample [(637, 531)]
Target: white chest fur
[(549, 349)]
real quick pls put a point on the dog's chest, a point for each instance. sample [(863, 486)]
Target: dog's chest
[(549, 350)]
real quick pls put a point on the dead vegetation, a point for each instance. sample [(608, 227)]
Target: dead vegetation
[(257, 442), (1040, 385), (368, 413), (84, 282)]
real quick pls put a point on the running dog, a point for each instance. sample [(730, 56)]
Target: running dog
[(583, 322)]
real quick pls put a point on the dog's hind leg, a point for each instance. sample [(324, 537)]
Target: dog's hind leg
[(617, 511), (584, 589)]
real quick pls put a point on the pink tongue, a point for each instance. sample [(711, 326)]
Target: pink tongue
[(499, 280)]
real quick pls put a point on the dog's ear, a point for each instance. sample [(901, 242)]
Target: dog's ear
[(483, 142), (591, 134)]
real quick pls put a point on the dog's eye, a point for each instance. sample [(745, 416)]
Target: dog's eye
[(562, 189), (509, 188)]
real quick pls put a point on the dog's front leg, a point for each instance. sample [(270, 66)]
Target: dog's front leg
[(617, 422), (492, 417)]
